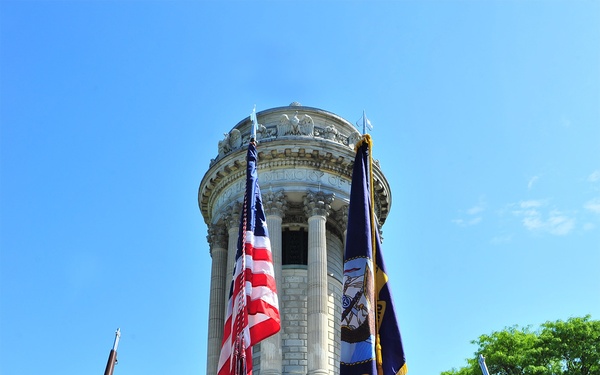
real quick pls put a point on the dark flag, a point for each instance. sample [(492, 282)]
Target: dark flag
[(253, 308), (371, 342)]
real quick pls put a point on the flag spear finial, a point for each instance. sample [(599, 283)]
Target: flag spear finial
[(366, 124), (254, 124), (117, 338)]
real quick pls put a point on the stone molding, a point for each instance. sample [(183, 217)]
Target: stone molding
[(279, 164), (230, 172)]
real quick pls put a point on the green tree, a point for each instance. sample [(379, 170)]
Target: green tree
[(572, 347), (510, 352), (557, 348), (471, 369)]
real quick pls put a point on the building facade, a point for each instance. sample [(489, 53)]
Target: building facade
[(304, 172)]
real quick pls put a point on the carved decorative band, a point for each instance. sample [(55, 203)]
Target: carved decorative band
[(296, 125)]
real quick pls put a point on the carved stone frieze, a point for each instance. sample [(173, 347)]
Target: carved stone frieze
[(232, 141), (303, 125), (330, 133), (262, 132)]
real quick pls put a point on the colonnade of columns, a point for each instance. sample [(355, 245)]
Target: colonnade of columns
[(223, 243)]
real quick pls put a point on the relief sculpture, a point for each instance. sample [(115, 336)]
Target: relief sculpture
[(297, 125), (262, 132), (232, 141), (330, 133)]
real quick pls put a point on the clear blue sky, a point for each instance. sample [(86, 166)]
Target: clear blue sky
[(487, 125)]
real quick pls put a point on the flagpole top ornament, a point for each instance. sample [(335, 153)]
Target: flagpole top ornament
[(117, 337), (365, 123), (254, 126)]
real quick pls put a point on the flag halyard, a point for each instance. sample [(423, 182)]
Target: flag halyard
[(253, 308), (371, 342)]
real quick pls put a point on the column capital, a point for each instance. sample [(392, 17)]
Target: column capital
[(275, 203), (217, 237), (317, 203), (231, 216), (341, 216)]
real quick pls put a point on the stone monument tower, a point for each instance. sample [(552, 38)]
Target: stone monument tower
[(304, 172)]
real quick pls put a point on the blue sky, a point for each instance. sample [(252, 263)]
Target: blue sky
[(486, 122)]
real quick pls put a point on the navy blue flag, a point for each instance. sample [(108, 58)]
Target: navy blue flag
[(371, 342)]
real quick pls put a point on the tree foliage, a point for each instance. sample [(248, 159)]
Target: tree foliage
[(569, 347)]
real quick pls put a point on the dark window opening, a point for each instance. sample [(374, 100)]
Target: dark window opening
[(295, 246)]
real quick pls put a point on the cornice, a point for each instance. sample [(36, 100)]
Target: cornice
[(290, 139), (231, 169)]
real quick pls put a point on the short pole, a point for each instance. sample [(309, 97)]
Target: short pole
[(112, 357), (483, 365)]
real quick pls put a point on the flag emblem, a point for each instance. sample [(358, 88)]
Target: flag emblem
[(358, 320)]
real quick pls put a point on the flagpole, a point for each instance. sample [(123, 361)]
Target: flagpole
[(369, 141), (112, 357)]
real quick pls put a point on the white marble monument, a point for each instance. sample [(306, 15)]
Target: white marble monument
[(304, 172)]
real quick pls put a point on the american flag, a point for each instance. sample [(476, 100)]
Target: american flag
[(253, 307)]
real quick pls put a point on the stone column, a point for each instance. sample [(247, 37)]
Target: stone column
[(232, 220), (216, 313), (270, 349), (317, 206)]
